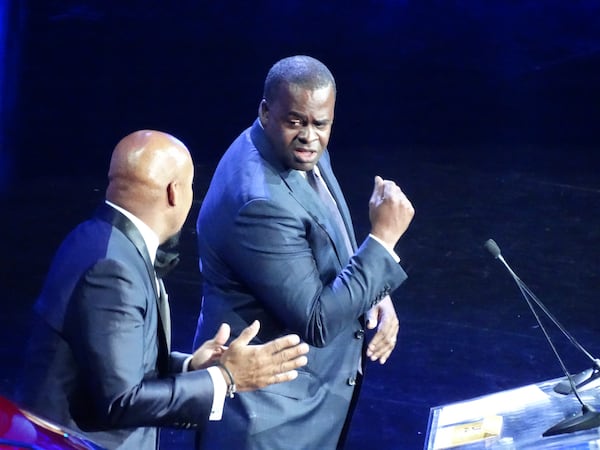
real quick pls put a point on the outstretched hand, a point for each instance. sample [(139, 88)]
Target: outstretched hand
[(257, 366), (209, 352)]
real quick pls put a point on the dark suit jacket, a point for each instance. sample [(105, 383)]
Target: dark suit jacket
[(98, 361), (269, 251)]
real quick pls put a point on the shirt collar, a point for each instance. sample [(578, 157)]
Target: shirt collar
[(315, 170), (149, 236)]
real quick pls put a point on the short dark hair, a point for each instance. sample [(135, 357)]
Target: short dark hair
[(301, 70)]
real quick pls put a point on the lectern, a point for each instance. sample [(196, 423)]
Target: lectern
[(512, 419)]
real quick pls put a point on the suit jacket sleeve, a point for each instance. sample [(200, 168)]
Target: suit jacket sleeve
[(176, 360), (106, 324), (288, 262)]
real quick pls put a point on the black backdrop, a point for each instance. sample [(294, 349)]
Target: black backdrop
[(510, 84), (466, 85)]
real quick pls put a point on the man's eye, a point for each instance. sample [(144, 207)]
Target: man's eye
[(295, 123)]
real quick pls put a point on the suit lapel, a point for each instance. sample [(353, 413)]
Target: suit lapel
[(309, 200), (336, 192), (304, 194), (123, 224)]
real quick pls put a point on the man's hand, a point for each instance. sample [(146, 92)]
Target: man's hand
[(208, 353), (390, 212), (384, 341), (257, 366)]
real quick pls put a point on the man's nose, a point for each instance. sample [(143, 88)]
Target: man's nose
[(307, 134)]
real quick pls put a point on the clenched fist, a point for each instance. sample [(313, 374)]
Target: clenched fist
[(390, 212)]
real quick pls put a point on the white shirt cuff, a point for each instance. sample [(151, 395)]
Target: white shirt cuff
[(390, 250), (186, 364), (220, 390)]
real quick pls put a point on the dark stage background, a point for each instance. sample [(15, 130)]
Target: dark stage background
[(485, 112)]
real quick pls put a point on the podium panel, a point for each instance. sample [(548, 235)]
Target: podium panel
[(513, 419)]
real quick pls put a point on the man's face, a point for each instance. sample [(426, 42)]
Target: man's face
[(298, 124)]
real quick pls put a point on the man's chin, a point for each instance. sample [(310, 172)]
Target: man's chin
[(304, 166)]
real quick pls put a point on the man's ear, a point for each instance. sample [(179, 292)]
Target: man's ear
[(263, 112), (172, 193)]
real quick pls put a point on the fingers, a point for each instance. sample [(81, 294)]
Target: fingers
[(384, 341), (390, 211), (283, 377), (383, 188), (282, 343), (405, 203), (286, 369), (287, 355), (247, 334), (391, 190), (381, 346), (388, 189), (211, 350), (289, 366), (377, 189), (256, 366), (292, 358), (288, 352), (222, 334)]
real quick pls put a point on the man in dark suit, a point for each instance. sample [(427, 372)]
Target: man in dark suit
[(100, 361), (276, 242)]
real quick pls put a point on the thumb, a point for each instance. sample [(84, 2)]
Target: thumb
[(371, 318), (222, 334), (377, 188), (247, 334)]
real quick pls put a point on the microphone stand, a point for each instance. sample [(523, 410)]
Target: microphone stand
[(582, 379), (590, 418)]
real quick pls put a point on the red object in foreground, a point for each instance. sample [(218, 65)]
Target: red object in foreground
[(20, 429)]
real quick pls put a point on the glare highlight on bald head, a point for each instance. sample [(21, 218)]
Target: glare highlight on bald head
[(143, 164)]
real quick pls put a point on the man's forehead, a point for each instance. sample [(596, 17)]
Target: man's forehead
[(301, 97)]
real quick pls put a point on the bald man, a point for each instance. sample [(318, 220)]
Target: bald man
[(99, 359)]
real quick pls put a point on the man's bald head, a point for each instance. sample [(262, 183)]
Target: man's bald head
[(150, 175)]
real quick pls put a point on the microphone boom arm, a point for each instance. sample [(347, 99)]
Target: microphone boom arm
[(590, 418)]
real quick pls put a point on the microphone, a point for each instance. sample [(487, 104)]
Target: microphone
[(590, 418)]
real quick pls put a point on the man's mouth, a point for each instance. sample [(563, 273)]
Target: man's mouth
[(305, 154)]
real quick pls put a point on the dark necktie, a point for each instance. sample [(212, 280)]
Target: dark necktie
[(320, 188)]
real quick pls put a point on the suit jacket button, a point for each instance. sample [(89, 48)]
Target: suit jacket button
[(359, 334), (351, 381)]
